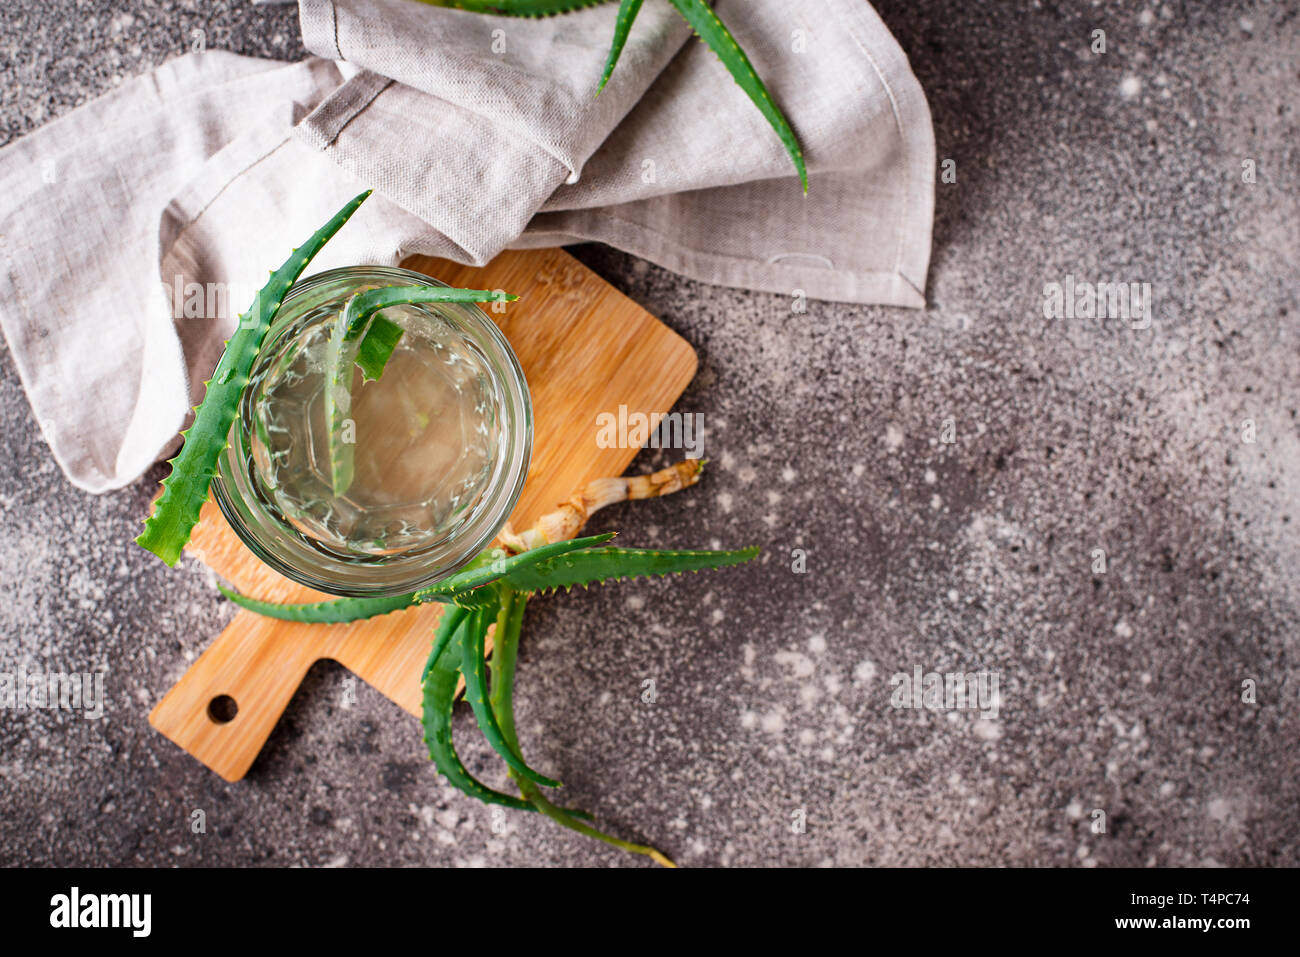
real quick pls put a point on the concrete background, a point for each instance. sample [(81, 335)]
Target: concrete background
[(1121, 691)]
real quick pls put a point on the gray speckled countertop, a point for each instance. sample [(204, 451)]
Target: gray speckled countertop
[(1121, 691)]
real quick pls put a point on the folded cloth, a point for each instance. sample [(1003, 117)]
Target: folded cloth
[(136, 228)]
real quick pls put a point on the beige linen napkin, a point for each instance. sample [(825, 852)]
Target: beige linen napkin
[(133, 229)]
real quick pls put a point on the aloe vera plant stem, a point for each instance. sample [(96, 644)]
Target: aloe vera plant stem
[(570, 516), (495, 584)]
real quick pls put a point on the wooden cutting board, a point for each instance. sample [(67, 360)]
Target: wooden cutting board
[(585, 349)]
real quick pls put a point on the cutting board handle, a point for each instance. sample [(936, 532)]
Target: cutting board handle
[(224, 707)]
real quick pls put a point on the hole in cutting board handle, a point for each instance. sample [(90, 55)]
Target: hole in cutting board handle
[(222, 709)]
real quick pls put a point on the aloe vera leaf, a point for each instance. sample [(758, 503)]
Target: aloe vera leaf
[(377, 347), (363, 306), (627, 11), (711, 30), (340, 354), (505, 656), (177, 511), (440, 684), (352, 329), (601, 564), (451, 620), (457, 587), (330, 612), (474, 667)]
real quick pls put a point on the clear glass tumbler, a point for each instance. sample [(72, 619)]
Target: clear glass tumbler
[(442, 442)]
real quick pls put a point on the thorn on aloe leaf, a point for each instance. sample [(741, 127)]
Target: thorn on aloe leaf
[(627, 11)]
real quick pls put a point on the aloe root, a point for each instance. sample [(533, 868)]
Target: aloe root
[(569, 517)]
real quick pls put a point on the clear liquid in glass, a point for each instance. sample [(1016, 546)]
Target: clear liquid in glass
[(426, 435)]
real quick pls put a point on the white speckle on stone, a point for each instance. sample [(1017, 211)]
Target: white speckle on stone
[(893, 438), (800, 665), (864, 672), (724, 501), (1147, 17), (788, 474), (1220, 809), (930, 477), (449, 819), (817, 644), (1124, 630), (1130, 86), (634, 602), (773, 722), (1074, 810)]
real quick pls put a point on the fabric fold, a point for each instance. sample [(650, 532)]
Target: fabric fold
[(135, 229)]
